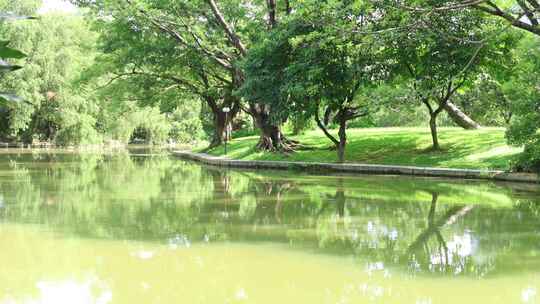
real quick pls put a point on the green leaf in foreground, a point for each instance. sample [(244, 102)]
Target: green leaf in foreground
[(7, 52)]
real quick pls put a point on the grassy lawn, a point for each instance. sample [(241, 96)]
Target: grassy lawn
[(482, 149)]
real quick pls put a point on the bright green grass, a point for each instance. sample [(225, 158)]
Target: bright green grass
[(482, 149)]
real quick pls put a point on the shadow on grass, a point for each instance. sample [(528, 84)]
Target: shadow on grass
[(409, 147)]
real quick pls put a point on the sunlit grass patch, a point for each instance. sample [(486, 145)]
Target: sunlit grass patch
[(481, 149), (495, 152)]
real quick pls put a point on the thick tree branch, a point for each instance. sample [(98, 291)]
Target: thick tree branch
[(231, 35), (425, 101), (455, 6), (186, 84), (160, 25), (528, 12), (492, 9), (534, 4), (198, 40), (323, 127)]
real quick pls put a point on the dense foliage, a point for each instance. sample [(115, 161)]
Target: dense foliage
[(58, 48), (164, 71), (524, 89)]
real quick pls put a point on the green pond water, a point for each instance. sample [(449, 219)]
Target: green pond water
[(143, 227)]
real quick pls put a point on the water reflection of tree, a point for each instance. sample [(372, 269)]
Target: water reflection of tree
[(222, 181), (420, 249), (396, 221), (338, 199), (269, 199)]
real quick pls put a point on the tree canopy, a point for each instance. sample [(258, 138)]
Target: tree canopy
[(164, 71)]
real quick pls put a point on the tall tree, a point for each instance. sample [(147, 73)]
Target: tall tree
[(217, 34), (59, 47), (311, 66), (439, 52), (167, 47), (271, 137), (9, 11)]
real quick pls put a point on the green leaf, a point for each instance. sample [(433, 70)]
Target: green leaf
[(7, 52)]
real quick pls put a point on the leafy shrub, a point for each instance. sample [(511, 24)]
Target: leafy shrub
[(525, 123), (81, 131), (529, 160), (186, 125)]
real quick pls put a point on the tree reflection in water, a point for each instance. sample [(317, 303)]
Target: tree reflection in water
[(439, 257), (423, 225)]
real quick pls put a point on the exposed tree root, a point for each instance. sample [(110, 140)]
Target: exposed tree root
[(282, 145)]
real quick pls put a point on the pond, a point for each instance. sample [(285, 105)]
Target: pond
[(143, 227)]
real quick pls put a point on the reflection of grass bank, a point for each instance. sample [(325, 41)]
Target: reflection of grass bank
[(166, 201), (482, 149), (399, 189)]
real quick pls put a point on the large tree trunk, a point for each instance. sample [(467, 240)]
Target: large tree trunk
[(460, 118), (222, 128), (222, 121), (434, 135), (271, 138)]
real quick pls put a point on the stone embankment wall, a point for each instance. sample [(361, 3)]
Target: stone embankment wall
[(360, 168)]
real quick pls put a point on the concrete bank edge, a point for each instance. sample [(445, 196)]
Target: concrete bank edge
[(360, 168)]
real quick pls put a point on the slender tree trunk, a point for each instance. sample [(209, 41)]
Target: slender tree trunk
[(434, 135), (431, 214), (340, 198), (460, 118), (507, 116), (342, 138), (341, 142), (433, 113)]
